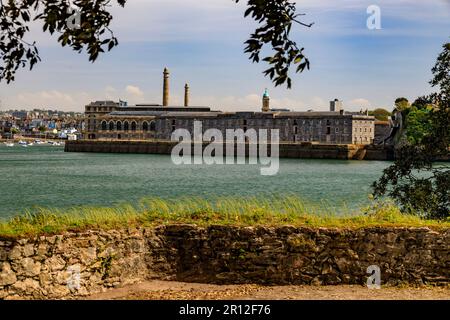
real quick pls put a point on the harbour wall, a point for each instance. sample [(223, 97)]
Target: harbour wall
[(76, 264), (286, 150)]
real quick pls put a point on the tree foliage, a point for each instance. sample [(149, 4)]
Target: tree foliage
[(415, 181), (380, 114), (274, 17), (402, 104)]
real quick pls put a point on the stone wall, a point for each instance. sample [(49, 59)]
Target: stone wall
[(73, 265), (286, 150)]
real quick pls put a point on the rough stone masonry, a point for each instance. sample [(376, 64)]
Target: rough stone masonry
[(77, 264)]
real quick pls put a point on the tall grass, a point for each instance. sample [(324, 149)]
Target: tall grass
[(227, 211)]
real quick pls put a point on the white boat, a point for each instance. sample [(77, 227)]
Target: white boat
[(8, 144), (30, 144)]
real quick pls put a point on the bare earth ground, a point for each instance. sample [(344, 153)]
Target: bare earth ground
[(168, 290)]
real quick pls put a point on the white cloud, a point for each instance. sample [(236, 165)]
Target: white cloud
[(359, 103), (134, 91), (52, 99)]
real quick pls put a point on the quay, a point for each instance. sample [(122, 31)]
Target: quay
[(286, 149)]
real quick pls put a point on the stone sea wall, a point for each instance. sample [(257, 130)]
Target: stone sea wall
[(286, 150), (74, 265)]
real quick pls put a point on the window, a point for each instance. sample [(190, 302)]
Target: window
[(152, 126), (104, 125), (126, 126), (337, 130), (145, 126), (119, 126), (328, 130), (111, 126), (133, 126)]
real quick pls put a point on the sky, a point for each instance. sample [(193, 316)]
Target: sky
[(202, 43)]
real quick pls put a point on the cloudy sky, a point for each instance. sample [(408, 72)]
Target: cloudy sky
[(201, 42)]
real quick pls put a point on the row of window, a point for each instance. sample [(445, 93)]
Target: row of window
[(99, 109), (336, 130), (365, 129), (126, 126)]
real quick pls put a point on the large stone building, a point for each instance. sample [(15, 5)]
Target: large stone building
[(116, 120)]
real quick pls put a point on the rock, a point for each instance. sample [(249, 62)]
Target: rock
[(55, 263), (28, 250), (15, 253), (27, 286), (30, 268), (7, 275), (88, 255), (42, 251)]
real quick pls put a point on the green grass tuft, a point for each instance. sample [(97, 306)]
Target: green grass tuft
[(224, 211)]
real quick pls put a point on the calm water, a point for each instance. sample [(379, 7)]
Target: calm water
[(47, 176)]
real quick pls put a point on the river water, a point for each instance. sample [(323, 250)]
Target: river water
[(46, 176)]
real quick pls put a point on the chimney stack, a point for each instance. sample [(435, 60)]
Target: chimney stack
[(166, 88), (186, 95)]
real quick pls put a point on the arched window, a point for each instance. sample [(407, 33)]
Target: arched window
[(111, 126), (119, 126), (145, 126), (126, 126), (133, 126), (104, 125), (152, 126)]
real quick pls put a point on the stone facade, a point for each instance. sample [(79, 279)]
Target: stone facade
[(153, 122), (76, 264)]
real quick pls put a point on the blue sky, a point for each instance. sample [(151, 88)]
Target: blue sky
[(201, 42)]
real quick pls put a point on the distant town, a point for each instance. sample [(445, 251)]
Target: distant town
[(40, 123)]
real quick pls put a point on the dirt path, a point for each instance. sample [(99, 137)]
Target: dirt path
[(166, 290)]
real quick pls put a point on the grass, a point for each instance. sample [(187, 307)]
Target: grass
[(222, 211)]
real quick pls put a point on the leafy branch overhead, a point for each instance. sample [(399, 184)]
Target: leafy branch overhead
[(276, 18), (94, 36)]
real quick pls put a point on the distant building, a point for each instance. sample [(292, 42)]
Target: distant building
[(22, 115), (113, 120)]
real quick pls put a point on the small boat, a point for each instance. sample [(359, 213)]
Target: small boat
[(22, 143), (8, 144), (30, 144)]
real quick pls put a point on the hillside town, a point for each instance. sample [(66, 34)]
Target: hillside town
[(40, 123)]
